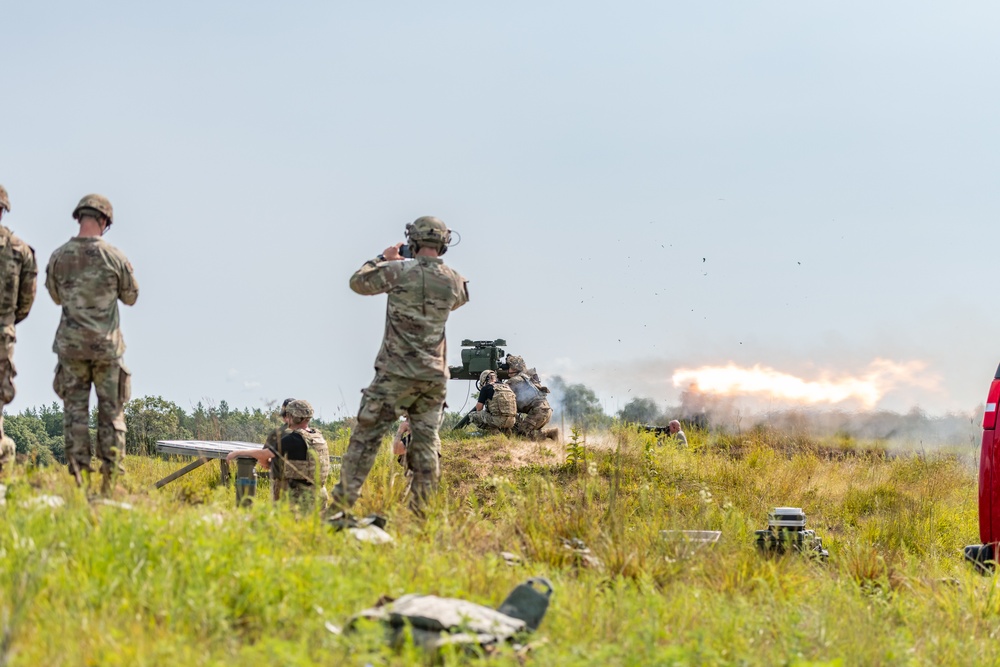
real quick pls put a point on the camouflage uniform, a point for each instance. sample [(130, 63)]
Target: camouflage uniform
[(298, 477), (499, 413), (532, 406), (87, 276), (410, 371), (18, 271)]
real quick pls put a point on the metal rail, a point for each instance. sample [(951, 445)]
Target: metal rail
[(204, 450)]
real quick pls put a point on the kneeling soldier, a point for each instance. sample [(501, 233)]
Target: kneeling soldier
[(496, 408), (298, 451)]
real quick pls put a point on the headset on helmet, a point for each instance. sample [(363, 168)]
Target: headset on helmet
[(428, 231)]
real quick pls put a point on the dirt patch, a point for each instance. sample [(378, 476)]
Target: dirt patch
[(464, 462)]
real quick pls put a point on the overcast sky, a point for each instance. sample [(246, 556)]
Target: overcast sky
[(639, 186)]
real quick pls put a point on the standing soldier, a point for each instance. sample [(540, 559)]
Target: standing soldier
[(411, 373), (19, 272), (88, 276)]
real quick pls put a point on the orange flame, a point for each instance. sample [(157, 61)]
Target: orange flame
[(867, 388)]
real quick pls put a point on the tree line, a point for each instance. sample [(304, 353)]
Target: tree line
[(38, 432)]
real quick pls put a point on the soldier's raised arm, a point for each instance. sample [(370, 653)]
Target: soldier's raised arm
[(28, 285), (128, 287), (50, 279), (377, 276), (463, 296)]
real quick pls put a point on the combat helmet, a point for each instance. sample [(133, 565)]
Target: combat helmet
[(516, 363), (484, 376), (299, 410), (95, 203), (284, 404), (428, 231), (4, 199)]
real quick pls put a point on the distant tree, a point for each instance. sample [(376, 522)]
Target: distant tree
[(52, 417), (27, 430), (149, 419), (579, 403), (640, 411)]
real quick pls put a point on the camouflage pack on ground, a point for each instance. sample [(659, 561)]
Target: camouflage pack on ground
[(436, 622)]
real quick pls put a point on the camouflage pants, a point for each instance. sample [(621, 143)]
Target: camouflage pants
[(530, 423), (385, 399), (491, 422), (300, 493), (7, 447), (303, 495), (113, 383)]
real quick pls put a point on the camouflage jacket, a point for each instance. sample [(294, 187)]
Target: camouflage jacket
[(87, 277), (319, 453), (422, 293), (19, 272)]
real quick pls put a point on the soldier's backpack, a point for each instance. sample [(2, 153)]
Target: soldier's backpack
[(504, 402), (436, 622)]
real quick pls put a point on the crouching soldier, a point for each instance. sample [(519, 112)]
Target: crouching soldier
[(533, 407), (300, 452), (496, 408)]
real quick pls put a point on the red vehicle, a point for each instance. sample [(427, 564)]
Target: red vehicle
[(983, 555)]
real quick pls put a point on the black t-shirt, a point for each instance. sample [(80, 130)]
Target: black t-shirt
[(485, 394), (294, 447)]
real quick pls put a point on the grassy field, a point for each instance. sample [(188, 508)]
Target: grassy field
[(184, 578)]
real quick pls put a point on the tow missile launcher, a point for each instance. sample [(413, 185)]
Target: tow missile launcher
[(786, 530), (479, 356)]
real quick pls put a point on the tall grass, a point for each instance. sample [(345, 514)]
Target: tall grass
[(183, 577)]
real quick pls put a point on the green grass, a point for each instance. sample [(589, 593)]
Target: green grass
[(185, 578)]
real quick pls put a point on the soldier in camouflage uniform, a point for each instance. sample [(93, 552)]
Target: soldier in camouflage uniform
[(299, 451), (532, 406), (410, 371), (87, 276), (18, 272), (496, 408)]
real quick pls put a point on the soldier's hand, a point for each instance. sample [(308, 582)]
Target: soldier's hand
[(391, 253)]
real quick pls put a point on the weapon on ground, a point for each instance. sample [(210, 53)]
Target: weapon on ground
[(479, 356)]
